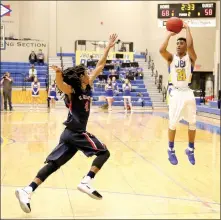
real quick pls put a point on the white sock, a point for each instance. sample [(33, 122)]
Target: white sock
[(28, 189), (86, 179)]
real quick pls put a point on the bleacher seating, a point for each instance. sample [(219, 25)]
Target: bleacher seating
[(20, 70), (137, 87), (212, 108)]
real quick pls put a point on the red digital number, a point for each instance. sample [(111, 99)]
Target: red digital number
[(208, 11), (165, 13)]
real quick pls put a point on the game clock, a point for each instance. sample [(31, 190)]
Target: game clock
[(188, 10)]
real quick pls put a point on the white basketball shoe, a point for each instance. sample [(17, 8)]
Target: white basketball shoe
[(85, 187)]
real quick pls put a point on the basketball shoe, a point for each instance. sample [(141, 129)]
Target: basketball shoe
[(85, 187), (24, 197)]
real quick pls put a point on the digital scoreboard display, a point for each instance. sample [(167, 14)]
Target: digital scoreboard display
[(190, 10)]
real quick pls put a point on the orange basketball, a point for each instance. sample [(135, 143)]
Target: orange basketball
[(174, 24)]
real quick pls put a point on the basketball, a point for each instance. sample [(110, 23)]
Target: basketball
[(174, 24)]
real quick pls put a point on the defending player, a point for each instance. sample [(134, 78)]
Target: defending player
[(76, 84)]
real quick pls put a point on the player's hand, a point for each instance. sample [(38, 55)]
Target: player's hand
[(56, 68), (112, 40), (185, 25), (171, 33)]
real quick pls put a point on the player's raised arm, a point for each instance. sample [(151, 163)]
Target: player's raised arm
[(189, 42), (101, 63), (163, 49), (60, 83)]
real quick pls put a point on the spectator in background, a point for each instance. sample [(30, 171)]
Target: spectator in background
[(112, 73), (7, 90), (91, 58), (219, 99), (146, 54), (2, 99), (115, 86), (140, 73), (149, 62), (40, 57), (32, 57), (152, 67), (35, 86), (122, 77), (127, 87), (164, 93), (109, 94), (52, 95), (156, 75), (32, 73)]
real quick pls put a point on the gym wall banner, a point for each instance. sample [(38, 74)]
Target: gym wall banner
[(83, 56), (19, 50)]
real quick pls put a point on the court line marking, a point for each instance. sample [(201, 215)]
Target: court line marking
[(161, 171), (121, 193), (68, 194), (119, 216)]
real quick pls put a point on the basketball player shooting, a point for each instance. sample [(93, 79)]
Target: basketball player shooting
[(182, 103), (76, 84)]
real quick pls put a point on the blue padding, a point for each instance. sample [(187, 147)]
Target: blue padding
[(66, 54), (213, 104), (208, 109), (198, 101)]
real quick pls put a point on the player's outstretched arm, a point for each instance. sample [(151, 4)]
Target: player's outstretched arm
[(101, 63), (163, 49), (65, 88), (189, 41)]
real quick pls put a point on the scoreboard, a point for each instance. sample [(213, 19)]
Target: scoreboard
[(188, 10)]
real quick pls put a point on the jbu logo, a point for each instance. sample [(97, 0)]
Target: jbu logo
[(180, 64)]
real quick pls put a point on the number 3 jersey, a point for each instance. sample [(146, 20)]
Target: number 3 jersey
[(180, 71), (79, 110)]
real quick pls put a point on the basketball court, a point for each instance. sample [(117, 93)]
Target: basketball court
[(137, 182)]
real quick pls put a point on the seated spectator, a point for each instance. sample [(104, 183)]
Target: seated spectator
[(32, 57), (32, 71), (122, 77), (112, 72), (130, 75), (140, 72), (91, 58), (32, 74), (40, 57)]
